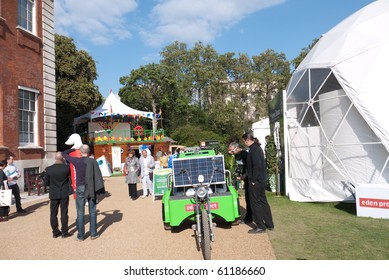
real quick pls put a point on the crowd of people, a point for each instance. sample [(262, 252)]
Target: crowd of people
[(141, 169), (89, 183), (250, 170)]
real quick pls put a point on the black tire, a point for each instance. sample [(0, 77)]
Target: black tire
[(206, 238), (167, 227)]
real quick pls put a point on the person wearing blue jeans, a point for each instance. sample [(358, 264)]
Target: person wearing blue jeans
[(89, 182), (80, 206)]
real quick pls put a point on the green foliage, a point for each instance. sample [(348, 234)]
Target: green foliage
[(230, 162), (150, 88), (271, 155), (271, 73), (76, 93), (190, 135), (223, 94)]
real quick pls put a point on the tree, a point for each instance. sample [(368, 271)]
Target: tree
[(231, 109), (271, 161), (296, 61), (212, 85), (271, 75), (191, 135), (76, 93), (220, 93), (153, 83), (206, 74)]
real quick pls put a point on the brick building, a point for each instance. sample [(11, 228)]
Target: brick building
[(27, 84)]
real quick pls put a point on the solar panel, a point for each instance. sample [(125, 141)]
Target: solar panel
[(186, 170)]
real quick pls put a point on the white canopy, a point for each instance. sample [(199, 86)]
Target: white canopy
[(337, 110), (112, 106), (261, 129)]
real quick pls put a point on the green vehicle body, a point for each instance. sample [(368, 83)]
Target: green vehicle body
[(178, 208)]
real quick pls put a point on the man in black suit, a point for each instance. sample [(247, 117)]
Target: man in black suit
[(57, 176), (257, 175)]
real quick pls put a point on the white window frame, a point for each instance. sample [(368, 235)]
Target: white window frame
[(32, 111), (27, 8)]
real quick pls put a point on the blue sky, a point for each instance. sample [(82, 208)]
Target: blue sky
[(122, 35)]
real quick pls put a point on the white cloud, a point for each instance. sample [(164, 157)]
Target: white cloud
[(189, 21), (100, 21), (197, 20)]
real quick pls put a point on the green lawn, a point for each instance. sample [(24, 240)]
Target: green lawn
[(325, 231)]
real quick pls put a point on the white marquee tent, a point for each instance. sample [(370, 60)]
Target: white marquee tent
[(261, 129), (112, 106), (337, 113)]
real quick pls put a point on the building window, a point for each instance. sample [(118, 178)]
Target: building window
[(27, 115), (26, 14)]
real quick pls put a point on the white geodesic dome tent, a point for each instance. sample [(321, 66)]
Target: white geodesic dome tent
[(337, 110)]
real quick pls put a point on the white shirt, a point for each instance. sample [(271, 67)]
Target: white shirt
[(146, 161), (12, 171)]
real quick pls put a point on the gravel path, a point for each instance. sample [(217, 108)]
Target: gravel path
[(130, 230)]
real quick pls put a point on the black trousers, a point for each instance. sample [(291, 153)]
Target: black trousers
[(55, 204), (259, 205), (249, 213), (132, 191), (16, 194)]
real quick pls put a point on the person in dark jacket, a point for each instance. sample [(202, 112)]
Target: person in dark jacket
[(89, 183), (257, 177), (240, 156), (57, 177)]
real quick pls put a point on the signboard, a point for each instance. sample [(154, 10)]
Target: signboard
[(104, 166), (117, 160), (372, 200), (276, 121), (192, 207), (160, 180)]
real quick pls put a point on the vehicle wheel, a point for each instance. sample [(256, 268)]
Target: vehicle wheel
[(167, 227), (206, 238)]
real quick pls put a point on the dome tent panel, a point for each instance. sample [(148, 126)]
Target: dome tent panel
[(339, 135)]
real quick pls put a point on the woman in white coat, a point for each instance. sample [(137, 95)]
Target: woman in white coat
[(147, 164)]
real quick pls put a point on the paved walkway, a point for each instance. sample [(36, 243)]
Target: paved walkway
[(130, 230)]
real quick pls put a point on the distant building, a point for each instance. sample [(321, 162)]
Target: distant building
[(27, 84)]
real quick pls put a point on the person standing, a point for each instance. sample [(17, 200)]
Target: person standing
[(146, 163), (241, 174), (159, 154), (164, 160), (13, 175), (257, 178), (57, 176), (169, 159), (131, 168), (4, 210), (89, 182)]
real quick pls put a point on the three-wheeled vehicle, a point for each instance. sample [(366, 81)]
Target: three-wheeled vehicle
[(200, 190)]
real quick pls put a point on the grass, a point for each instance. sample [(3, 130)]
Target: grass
[(325, 231)]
